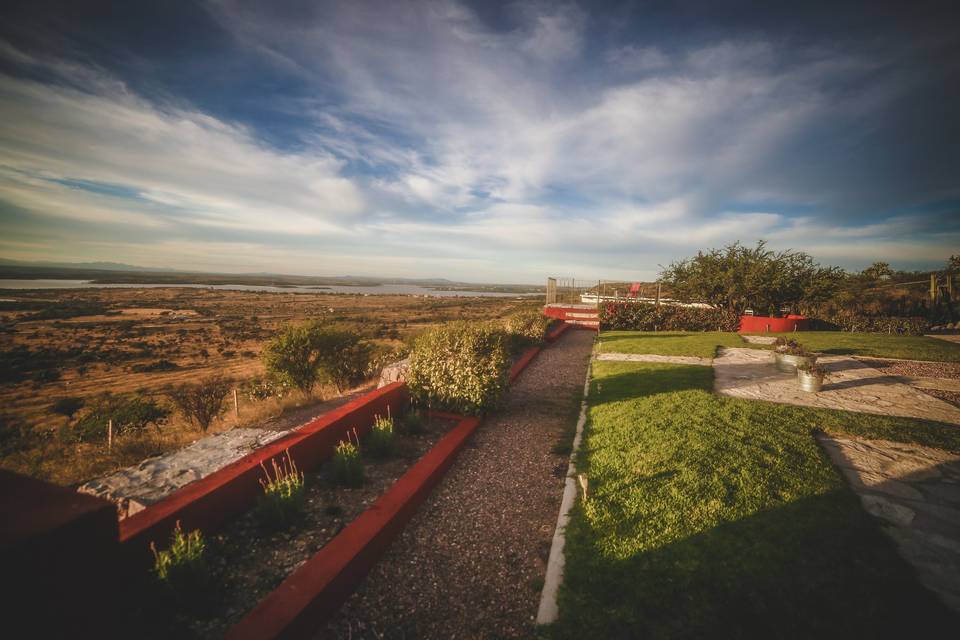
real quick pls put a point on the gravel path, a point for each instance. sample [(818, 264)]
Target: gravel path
[(949, 370), (471, 562)]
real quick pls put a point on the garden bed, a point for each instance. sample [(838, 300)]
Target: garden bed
[(248, 560)]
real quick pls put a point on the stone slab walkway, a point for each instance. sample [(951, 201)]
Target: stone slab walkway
[(947, 337), (649, 357), (851, 386), (759, 339), (915, 492), (471, 562)]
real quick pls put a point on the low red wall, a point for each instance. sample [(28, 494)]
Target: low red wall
[(764, 324), (312, 593), (557, 331), (206, 503), (58, 553)]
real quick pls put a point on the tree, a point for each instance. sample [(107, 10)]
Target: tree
[(953, 264), (128, 413), (877, 270), (316, 351), (201, 403), (740, 278)]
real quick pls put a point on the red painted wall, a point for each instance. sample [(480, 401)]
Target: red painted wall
[(206, 503), (764, 324)]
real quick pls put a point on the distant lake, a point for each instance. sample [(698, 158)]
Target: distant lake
[(375, 290)]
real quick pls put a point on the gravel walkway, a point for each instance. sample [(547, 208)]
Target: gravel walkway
[(471, 562), (918, 369)]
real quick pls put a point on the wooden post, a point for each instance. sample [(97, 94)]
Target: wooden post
[(658, 296), (933, 287), (950, 287), (109, 435), (236, 405)]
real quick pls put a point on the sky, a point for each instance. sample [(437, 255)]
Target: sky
[(480, 142)]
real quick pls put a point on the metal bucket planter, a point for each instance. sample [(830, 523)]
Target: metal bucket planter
[(788, 363), (808, 381)]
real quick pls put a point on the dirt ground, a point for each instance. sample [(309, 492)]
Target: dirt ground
[(84, 342)]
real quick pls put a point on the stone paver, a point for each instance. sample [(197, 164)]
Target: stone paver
[(850, 386), (759, 339), (915, 492), (947, 337), (649, 357)]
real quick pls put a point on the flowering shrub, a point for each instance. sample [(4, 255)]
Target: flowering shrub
[(460, 367), (640, 316), (906, 326), (283, 492), (346, 466), (381, 441)]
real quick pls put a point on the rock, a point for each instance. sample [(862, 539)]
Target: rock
[(396, 372)]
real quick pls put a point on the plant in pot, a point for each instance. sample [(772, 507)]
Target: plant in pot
[(810, 375), (790, 354)]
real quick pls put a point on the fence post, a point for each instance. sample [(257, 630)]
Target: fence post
[(933, 287), (110, 435), (236, 405)]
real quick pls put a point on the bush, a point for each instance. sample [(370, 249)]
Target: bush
[(530, 324), (412, 422), (67, 406), (153, 367), (203, 402), (641, 316), (128, 413), (314, 352), (381, 442), (183, 568), (346, 467), (283, 493), (261, 388), (460, 366), (905, 326)]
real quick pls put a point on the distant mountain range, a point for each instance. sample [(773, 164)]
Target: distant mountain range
[(117, 273)]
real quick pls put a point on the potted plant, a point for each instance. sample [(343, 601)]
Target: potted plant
[(789, 354), (810, 375)]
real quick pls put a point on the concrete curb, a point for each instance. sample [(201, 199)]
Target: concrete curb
[(549, 610)]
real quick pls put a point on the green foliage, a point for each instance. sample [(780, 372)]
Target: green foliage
[(858, 323), (346, 467), (702, 344), (812, 368), (459, 366), (128, 413), (182, 567), (953, 264), (878, 345), (412, 422), (283, 493), (877, 270), (264, 387), (739, 278), (641, 316), (67, 406), (381, 442), (316, 351), (203, 402), (530, 324)]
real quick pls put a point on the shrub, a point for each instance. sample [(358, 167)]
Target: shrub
[(641, 316), (15, 437), (460, 366), (153, 367), (182, 567), (381, 442), (67, 406), (412, 422), (128, 413), (316, 351), (283, 493), (845, 321), (346, 467), (531, 324), (203, 402), (261, 388)]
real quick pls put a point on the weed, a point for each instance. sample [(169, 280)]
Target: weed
[(346, 466), (381, 441), (182, 568)]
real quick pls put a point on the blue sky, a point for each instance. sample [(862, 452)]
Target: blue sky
[(478, 142)]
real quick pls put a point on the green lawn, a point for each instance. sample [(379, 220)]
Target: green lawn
[(713, 517), (665, 343), (878, 345)]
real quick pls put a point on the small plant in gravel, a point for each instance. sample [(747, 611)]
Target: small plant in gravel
[(346, 467), (283, 493), (183, 567), (382, 441), (412, 422)]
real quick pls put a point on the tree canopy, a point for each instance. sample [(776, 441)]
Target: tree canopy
[(739, 278)]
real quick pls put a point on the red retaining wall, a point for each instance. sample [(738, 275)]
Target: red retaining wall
[(557, 331), (58, 553), (309, 595), (206, 503), (764, 324)]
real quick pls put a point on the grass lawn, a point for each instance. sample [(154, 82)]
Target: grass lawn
[(878, 345), (666, 343), (713, 517)]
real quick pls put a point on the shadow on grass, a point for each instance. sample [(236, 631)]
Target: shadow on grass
[(818, 567)]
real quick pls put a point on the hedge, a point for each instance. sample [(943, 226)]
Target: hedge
[(640, 316), (460, 366), (906, 326)]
